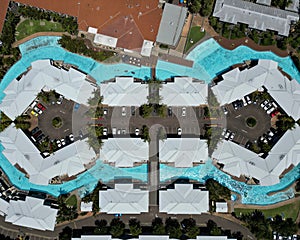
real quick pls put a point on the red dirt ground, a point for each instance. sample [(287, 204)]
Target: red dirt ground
[(131, 21), (3, 8)]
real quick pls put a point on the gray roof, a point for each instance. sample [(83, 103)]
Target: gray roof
[(294, 6), (171, 24), (264, 2), (255, 15)]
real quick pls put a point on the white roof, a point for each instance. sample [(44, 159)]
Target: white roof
[(124, 152), (124, 199), (3, 207), (294, 6), (92, 30), (184, 91), (19, 94), (239, 161), (221, 207), (105, 40), (31, 213), (147, 48), (124, 92), (183, 151), (86, 207), (236, 84), (255, 15), (20, 150), (264, 2), (183, 199)]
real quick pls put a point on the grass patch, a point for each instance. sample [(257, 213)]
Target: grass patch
[(28, 27), (72, 201), (287, 211), (195, 35)]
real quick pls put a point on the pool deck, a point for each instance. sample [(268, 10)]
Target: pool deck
[(177, 60)]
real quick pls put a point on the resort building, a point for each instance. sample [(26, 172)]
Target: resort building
[(171, 24), (127, 24), (264, 2), (255, 15), (124, 91), (183, 199), (236, 84), (70, 83), (31, 213), (184, 91), (124, 199), (148, 237), (221, 207), (124, 152), (183, 152), (22, 153), (239, 161), (294, 6), (4, 205)]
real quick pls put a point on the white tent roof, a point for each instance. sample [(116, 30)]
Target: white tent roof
[(20, 150), (184, 91), (92, 30), (124, 92), (124, 152), (31, 213), (86, 207), (123, 199), (236, 84), (183, 151), (183, 200), (238, 160), (105, 40), (147, 48), (19, 94), (221, 207)]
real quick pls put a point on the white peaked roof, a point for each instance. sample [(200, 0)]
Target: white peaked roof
[(183, 199), (183, 152), (294, 6), (124, 152), (69, 83), (105, 40), (236, 84), (239, 161), (124, 92), (147, 48), (86, 207), (255, 15), (184, 91), (124, 199), (221, 207), (18, 149), (31, 213), (3, 207)]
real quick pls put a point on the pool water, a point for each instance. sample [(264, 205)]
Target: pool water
[(209, 60)]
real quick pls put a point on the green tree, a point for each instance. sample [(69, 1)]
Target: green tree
[(158, 227), (101, 227), (146, 133), (146, 110), (135, 227), (190, 228), (213, 228), (194, 6), (5, 121), (285, 123), (217, 191), (116, 227), (173, 228), (66, 233)]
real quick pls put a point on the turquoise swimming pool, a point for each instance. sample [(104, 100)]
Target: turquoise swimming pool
[(210, 59)]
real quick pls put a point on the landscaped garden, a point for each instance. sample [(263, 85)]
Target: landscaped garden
[(195, 35), (29, 26)]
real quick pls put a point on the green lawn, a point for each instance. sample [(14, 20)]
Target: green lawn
[(28, 27), (72, 201), (288, 211), (195, 35)]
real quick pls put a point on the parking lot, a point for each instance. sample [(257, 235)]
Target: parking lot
[(125, 120), (236, 122)]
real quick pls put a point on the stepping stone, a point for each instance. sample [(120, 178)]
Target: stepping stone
[(30, 24)]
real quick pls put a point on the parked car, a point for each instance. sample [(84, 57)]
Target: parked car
[(63, 142), (225, 110), (179, 131), (37, 110), (123, 111), (60, 99), (76, 107), (104, 131), (41, 106), (270, 110), (183, 111), (132, 110), (34, 113), (248, 99), (71, 137), (114, 131), (267, 106), (244, 102), (227, 135), (264, 103), (33, 131), (231, 136), (105, 111), (137, 131), (58, 143), (169, 111)]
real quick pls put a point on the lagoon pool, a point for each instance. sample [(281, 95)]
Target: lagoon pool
[(210, 59)]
